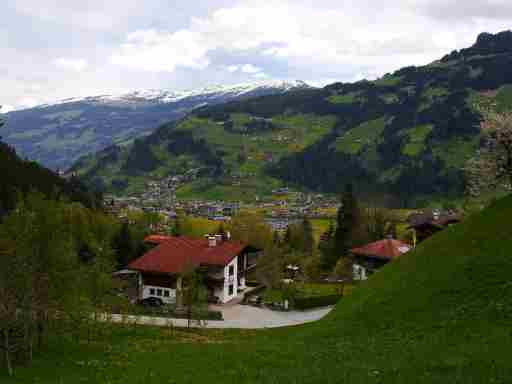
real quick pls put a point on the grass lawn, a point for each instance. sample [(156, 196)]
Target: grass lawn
[(440, 314)]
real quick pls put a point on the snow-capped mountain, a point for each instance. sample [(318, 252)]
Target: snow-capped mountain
[(57, 134), (166, 96)]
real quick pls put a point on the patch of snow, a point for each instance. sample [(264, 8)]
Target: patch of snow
[(165, 96), (6, 108)]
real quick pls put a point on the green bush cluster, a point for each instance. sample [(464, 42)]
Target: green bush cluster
[(304, 303)]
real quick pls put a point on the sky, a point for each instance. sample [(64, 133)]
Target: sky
[(55, 49)]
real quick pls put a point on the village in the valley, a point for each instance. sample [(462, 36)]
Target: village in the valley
[(282, 208)]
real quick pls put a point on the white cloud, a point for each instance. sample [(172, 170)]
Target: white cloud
[(300, 33), (249, 68), (90, 14), (210, 41), (154, 51), (71, 64)]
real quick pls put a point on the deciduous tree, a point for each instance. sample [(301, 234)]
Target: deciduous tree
[(492, 166)]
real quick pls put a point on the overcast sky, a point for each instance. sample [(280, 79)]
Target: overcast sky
[(54, 49)]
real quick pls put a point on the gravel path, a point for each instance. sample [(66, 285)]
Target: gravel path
[(236, 316)]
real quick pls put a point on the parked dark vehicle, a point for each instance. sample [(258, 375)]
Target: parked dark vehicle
[(151, 302)]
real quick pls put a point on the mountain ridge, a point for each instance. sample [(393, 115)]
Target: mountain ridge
[(169, 95), (57, 134)]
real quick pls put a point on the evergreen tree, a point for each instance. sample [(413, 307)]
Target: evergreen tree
[(348, 221), (326, 248), (308, 241), (124, 246)]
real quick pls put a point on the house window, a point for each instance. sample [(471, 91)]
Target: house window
[(159, 292), (166, 293), (152, 291), (230, 290), (231, 270)]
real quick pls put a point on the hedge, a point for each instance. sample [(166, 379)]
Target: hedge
[(199, 315), (315, 301), (167, 312)]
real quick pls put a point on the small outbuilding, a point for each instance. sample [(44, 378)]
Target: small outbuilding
[(427, 223), (369, 258)]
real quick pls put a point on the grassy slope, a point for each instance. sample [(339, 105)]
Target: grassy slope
[(442, 314), (292, 134)]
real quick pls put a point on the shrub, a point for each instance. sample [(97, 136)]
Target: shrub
[(256, 291), (199, 315), (316, 301)]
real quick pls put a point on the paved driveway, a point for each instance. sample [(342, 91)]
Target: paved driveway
[(249, 317), (237, 316)]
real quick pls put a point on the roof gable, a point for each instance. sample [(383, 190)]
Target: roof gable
[(386, 249), (177, 253)]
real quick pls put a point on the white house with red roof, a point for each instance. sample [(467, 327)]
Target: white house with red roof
[(224, 262), (373, 256)]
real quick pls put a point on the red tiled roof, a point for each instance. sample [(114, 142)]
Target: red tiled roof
[(383, 249), (176, 253), (156, 239)]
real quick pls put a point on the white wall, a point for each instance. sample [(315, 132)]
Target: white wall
[(242, 279), (171, 299), (230, 280)]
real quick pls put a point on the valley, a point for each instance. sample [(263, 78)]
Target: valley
[(351, 228), (378, 134)]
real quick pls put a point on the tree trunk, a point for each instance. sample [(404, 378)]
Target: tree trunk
[(508, 150), (7, 351), (40, 330), (28, 338)]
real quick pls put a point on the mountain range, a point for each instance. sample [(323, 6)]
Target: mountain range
[(57, 134), (404, 137)]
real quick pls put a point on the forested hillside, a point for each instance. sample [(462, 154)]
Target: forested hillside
[(18, 177), (406, 135)]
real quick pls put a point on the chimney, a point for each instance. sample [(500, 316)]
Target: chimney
[(228, 235), (218, 239), (212, 241)]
